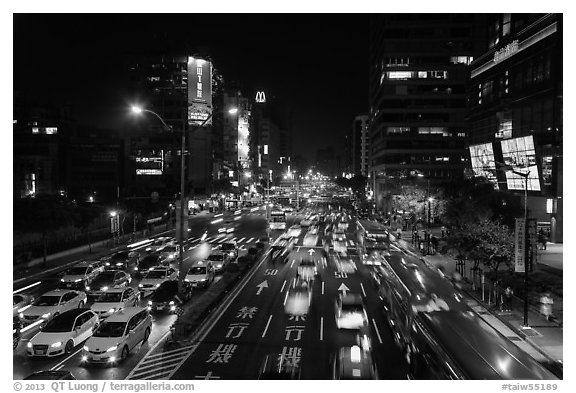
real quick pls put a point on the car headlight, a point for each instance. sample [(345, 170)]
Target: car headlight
[(87, 287), (62, 280), (111, 310), (111, 349), (104, 288), (21, 315), (171, 302), (135, 268), (107, 263), (46, 315), (140, 285), (119, 264), (149, 302), (85, 347), (78, 280), (157, 285), (56, 345), (203, 279), (29, 345)]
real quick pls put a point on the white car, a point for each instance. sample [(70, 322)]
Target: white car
[(344, 265), (298, 299), (79, 276), (20, 302), (350, 311), (338, 235), (219, 260), (115, 300), (310, 240), (117, 336), (157, 276), (169, 252), (201, 274), (52, 304), (313, 230), (307, 269), (295, 230), (63, 333)]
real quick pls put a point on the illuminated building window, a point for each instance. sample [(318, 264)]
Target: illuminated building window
[(265, 149), (461, 135), (397, 61), (397, 130), (433, 131), (400, 75), (422, 74), (154, 79), (461, 59)]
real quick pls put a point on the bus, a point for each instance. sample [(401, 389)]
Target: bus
[(372, 236), (277, 219), (440, 336)]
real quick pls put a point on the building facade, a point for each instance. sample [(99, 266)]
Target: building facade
[(360, 153), (515, 117), (418, 74)]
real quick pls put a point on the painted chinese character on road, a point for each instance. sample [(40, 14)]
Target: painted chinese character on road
[(290, 357), (294, 329), (239, 327), (222, 354), (247, 312)]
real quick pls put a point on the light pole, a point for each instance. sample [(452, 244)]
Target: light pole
[(139, 110)]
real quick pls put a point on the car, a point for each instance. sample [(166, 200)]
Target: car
[(338, 235), (52, 304), (169, 252), (79, 276), (307, 269), (201, 274), (219, 260), (264, 239), (20, 302), (231, 248), (353, 363), (310, 240), (350, 312), (150, 262), (155, 277), (343, 225), (295, 230), (344, 264), (63, 333), (278, 367), (16, 327), (123, 260), (298, 298), (166, 297), (306, 222), (107, 280), (117, 336), (48, 375), (313, 230), (158, 243), (115, 299)]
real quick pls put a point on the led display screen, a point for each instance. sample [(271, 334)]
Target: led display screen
[(519, 153), (199, 91), (483, 162)]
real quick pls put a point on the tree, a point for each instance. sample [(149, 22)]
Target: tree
[(83, 217)]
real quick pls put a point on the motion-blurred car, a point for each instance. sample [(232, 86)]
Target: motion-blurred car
[(107, 280), (344, 264), (123, 260), (81, 275), (230, 247), (20, 302), (307, 269), (278, 366), (158, 243), (63, 333), (117, 336), (155, 277), (201, 274), (114, 300), (52, 304), (166, 297), (295, 230), (16, 326), (353, 363), (338, 235), (150, 262), (169, 252), (310, 240), (350, 311), (219, 260), (48, 375), (298, 299)]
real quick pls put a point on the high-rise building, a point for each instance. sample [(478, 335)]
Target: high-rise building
[(360, 146), (418, 74), (237, 135), (515, 117)]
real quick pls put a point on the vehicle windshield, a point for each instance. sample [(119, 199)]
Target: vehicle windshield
[(355, 308), (111, 297), (59, 325), (216, 257), (169, 249), (228, 247), (352, 251), (197, 270), (121, 255), (47, 301), (110, 329), (150, 260), (156, 274), (77, 271), (106, 276), (307, 263)]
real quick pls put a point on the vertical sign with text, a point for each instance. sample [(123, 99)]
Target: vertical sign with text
[(520, 244), (199, 91)]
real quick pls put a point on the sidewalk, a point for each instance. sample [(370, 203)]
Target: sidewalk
[(543, 340)]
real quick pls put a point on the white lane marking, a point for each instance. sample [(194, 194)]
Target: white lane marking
[(183, 349), (362, 287), (58, 368), (31, 326), (322, 287), (266, 328), (292, 264), (298, 249), (218, 215), (195, 240), (249, 240), (377, 332), (321, 328), (241, 240), (222, 240), (233, 239), (29, 286), (281, 289), (285, 298), (186, 258), (65, 360)]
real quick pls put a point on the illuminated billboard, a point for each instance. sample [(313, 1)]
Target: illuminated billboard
[(199, 91), (519, 153), (149, 162), (483, 163), (243, 138)]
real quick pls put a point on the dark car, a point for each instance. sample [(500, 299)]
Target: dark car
[(166, 297), (49, 375), (107, 280), (151, 261), (276, 366), (16, 326), (123, 260)]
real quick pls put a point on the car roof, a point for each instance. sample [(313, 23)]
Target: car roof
[(201, 263), (70, 315), (57, 292), (117, 290), (125, 314), (351, 298)]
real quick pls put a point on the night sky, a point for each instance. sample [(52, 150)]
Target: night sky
[(316, 62)]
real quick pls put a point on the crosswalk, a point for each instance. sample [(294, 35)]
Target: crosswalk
[(160, 365)]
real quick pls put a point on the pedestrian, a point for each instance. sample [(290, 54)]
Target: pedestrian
[(507, 301), (434, 241), (398, 233), (541, 241), (443, 229), (546, 303)]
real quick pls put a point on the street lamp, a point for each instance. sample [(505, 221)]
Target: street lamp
[(138, 110)]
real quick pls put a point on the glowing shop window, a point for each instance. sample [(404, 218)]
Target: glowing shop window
[(399, 75)]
